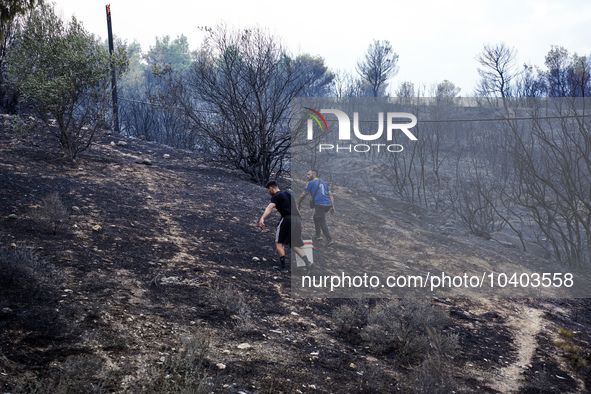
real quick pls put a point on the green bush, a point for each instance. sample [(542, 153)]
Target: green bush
[(65, 73), (578, 358)]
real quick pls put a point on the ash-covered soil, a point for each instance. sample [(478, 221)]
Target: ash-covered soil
[(161, 252)]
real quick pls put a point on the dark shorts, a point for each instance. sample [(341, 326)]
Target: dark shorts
[(289, 231)]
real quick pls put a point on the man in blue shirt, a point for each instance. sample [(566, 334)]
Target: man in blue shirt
[(323, 202)]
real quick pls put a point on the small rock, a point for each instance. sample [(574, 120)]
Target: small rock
[(256, 259), (507, 244), (166, 156), (121, 143), (96, 228), (352, 366), (112, 143), (294, 313), (13, 216), (75, 208), (221, 366), (245, 346)]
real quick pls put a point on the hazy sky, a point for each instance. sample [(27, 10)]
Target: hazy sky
[(435, 40)]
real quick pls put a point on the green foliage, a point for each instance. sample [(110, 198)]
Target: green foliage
[(316, 76), (20, 126), (577, 357), (446, 90), (10, 9), (134, 79), (175, 53), (573, 354), (65, 73), (567, 75)]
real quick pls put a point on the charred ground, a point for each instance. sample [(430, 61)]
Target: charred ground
[(158, 251)]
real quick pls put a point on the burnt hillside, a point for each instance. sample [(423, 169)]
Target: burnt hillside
[(157, 279)]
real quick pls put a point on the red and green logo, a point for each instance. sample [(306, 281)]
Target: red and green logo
[(317, 115)]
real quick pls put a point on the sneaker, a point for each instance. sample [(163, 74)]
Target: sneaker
[(281, 269), (329, 242), (309, 268), (318, 238)]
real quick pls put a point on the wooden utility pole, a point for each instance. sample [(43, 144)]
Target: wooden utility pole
[(113, 73)]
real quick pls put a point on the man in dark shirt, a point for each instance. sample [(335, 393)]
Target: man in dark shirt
[(289, 229)]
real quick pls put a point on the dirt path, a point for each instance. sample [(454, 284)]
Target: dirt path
[(526, 323)]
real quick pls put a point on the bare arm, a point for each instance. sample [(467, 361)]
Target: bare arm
[(302, 196), (331, 201), (267, 212)]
